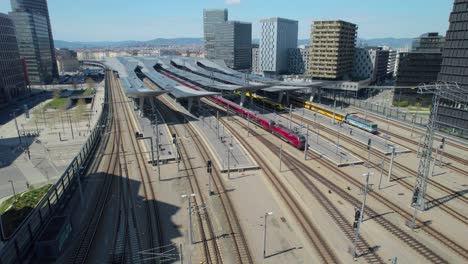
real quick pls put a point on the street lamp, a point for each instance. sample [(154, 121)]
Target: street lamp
[(229, 163), (13, 187), (265, 233), (189, 197)]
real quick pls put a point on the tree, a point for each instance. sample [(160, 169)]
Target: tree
[(57, 94), (80, 109), (90, 83)]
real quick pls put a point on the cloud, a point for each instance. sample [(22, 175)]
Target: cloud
[(233, 2)]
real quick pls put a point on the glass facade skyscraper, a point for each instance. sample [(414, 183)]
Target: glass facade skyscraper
[(454, 67), (12, 82), (233, 44), (212, 18), (35, 41)]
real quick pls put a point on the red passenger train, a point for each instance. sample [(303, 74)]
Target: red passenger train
[(294, 138)]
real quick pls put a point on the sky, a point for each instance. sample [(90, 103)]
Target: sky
[(116, 20)]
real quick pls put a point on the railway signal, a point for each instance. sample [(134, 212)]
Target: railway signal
[(359, 215)]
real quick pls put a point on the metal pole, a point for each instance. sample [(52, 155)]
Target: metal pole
[(318, 133), (391, 165), (17, 129), (210, 192), (290, 115), (190, 220), (152, 152), (357, 229), (229, 163), (265, 233), (306, 145), (71, 126), (157, 149), (334, 108), (381, 172), (280, 156), (248, 126), (181, 255), (217, 120), (14, 192), (412, 124)]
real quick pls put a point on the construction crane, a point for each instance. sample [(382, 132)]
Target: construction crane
[(450, 92)]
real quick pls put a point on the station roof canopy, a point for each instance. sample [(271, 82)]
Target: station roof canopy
[(165, 83), (202, 78), (133, 86)]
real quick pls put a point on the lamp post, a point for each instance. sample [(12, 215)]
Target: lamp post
[(189, 197), (14, 192), (229, 163), (16, 124), (265, 233)]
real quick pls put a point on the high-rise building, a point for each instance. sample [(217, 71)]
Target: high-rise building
[(67, 61), (419, 65), (212, 18), (12, 82), (392, 54), (332, 50), (35, 41), (256, 60), (370, 63), (233, 44), (454, 68), (298, 60), (278, 35)]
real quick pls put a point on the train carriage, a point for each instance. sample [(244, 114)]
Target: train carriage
[(362, 123)]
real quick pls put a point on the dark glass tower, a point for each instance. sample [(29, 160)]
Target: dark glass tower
[(454, 67), (12, 82), (32, 23), (212, 18)]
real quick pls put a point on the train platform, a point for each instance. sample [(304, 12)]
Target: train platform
[(149, 129), (327, 149), (379, 142), (228, 153)]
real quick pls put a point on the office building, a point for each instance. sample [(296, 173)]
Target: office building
[(12, 81), (35, 41), (454, 68), (212, 18), (233, 44), (67, 61), (298, 60), (422, 63), (332, 50), (278, 35), (392, 54), (370, 63), (419, 65), (256, 60)]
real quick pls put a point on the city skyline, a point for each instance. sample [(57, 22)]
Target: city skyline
[(118, 21)]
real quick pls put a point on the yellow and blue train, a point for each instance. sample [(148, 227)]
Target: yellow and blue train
[(270, 104), (350, 118)]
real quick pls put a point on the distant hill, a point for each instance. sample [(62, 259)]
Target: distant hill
[(392, 42), (128, 43)]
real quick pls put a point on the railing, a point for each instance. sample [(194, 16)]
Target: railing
[(22, 240)]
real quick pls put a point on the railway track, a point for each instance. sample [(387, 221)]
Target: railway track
[(80, 252), (324, 250), (418, 131), (154, 234), (405, 183), (406, 215), (401, 234), (235, 231), (211, 247)]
